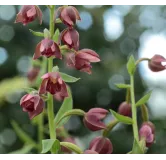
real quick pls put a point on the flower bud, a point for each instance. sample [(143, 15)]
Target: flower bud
[(155, 63), (90, 152), (81, 61), (125, 109), (33, 104), (69, 15), (68, 139), (53, 83), (101, 145), (70, 37), (92, 119), (47, 48), (147, 131), (29, 13), (33, 73)]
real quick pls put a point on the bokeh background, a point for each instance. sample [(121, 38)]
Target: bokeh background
[(114, 32)]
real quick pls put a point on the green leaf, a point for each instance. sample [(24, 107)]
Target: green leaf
[(58, 20), (29, 90), (131, 65), (26, 149), (47, 33), (121, 118), (55, 69), (50, 144), (78, 112), (144, 99), (56, 35), (39, 34), (120, 85), (21, 134), (67, 105), (68, 78), (136, 148), (71, 147)]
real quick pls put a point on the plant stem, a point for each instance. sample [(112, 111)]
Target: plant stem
[(140, 60), (134, 111), (40, 130), (50, 97)]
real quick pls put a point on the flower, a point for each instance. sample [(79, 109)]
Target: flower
[(92, 119), (82, 59), (90, 152), (101, 145), (155, 63), (33, 104), (147, 131), (48, 48), (29, 13), (125, 109), (33, 73), (68, 139), (70, 37), (53, 83), (69, 15)]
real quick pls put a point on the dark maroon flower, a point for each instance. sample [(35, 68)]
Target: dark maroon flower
[(48, 48), (125, 109), (155, 63), (147, 131), (29, 13), (90, 152), (82, 59), (33, 73), (70, 37), (53, 83), (69, 15), (68, 139), (92, 119), (101, 145), (59, 97), (33, 104)]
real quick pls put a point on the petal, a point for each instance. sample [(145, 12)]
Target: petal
[(19, 18), (31, 12), (37, 53), (57, 51), (22, 99), (77, 13), (46, 76), (39, 14), (99, 112), (43, 86), (89, 55), (70, 60), (25, 98), (36, 101)]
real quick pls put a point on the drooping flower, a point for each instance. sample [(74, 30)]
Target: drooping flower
[(147, 131), (53, 83), (101, 145), (92, 119), (33, 104), (125, 109), (82, 59), (47, 48), (68, 15), (155, 63), (29, 13), (70, 37), (33, 73)]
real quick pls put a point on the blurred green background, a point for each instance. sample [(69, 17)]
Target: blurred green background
[(114, 32)]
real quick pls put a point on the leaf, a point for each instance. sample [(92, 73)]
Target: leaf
[(47, 33), (56, 35), (136, 148), (39, 34), (55, 69), (120, 85), (58, 20), (131, 65), (50, 144), (121, 118), (71, 147), (26, 149), (68, 78), (144, 99), (29, 90), (67, 105)]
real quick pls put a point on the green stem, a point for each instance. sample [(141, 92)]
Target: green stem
[(128, 95), (50, 97), (40, 131), (140, 60), (134, 111)]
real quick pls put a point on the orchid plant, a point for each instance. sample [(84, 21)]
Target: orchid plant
[(52, 85)]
